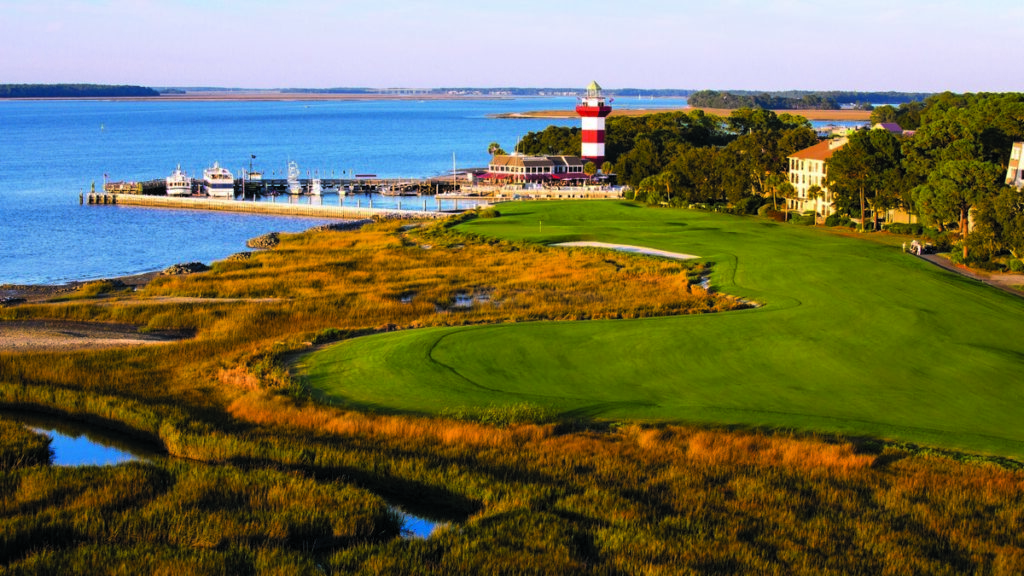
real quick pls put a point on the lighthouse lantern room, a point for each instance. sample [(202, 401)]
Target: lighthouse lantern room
[(593, 110)]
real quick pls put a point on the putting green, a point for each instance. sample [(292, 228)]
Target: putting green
[(854, 337)]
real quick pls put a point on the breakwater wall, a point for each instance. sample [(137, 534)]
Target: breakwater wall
[(342, 212)]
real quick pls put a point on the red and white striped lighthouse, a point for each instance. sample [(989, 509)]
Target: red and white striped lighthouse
[(593, 110)]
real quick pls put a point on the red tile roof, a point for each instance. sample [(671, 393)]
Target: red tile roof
[(820, 151)]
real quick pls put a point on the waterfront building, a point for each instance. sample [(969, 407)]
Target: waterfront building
[(1015, 171), (518, 168), (593, 110), (893, 128), (807, 168)]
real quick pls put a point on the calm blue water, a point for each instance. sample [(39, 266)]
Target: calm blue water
[(52, 151), (77, 444)]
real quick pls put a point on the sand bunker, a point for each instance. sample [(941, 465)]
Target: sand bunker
[(634, 249)]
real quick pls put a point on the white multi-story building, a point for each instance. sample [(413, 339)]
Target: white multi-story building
[(1015, 171), (806, 169)]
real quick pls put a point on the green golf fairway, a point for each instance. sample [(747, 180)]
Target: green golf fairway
[(854, 337)]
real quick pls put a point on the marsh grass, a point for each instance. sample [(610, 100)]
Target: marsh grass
[(21, 447), (175, 505), (269, 482)]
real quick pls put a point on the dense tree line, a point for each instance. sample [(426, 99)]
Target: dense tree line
[(680, 158), (950, 171), (713, 99), (843, 97), (952, 167), (907, 115), (553, 140), (73, 91)]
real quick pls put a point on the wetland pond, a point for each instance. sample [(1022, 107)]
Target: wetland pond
[(80, 444)]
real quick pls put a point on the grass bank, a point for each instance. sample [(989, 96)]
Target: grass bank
[(269, 482), (854, 337)]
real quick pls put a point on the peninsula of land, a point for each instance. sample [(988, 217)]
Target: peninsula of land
[(846, 115)]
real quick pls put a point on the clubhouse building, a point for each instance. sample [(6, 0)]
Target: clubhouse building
[(515, 168)]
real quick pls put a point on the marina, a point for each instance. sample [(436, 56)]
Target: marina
[(356, 209), (50, 238), (227, 187)]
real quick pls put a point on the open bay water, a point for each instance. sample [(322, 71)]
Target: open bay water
[(52, 151)]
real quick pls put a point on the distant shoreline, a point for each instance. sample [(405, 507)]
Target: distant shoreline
[(276, 96), (273, 96), (836, 115)]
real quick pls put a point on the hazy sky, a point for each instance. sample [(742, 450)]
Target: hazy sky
[(910, 45)]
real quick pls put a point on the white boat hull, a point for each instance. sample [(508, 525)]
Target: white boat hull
[(179, 190)]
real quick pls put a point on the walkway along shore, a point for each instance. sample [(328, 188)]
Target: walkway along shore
[(282, 209)]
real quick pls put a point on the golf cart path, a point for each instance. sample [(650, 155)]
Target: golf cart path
[(1005, 282)]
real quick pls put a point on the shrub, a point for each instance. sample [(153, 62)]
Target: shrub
[(488, 213), (100, 287), (909, 229), (837, 220), (800, 219), (334, 334), (956, 253), (1016, 265), (763, 210), (749, 205), (943, 240)]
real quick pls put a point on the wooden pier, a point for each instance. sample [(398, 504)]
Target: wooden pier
[(152, 187), (266, 186), (272, 208)]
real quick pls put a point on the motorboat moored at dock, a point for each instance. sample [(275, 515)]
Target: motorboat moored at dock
[(294, 186), (218, 182), (179, 183)]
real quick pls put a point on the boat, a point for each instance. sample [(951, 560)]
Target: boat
[(397, 190), (316, 187), (294, 186), (218, 182), (179, 183)]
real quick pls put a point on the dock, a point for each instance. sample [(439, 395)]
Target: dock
[(268, 186), (269, 208)]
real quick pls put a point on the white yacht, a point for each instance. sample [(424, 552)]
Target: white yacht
[(316, 187), (179, 183), (294, 186), (218, 182)]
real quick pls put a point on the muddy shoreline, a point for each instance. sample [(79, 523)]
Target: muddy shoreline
[(11, 294)]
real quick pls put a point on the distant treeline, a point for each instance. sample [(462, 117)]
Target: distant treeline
[(329, 91), (799, 100), (72, 91), (713, 99)]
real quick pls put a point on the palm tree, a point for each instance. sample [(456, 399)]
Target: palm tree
[(813, 193)]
